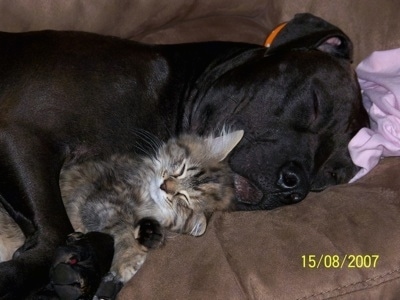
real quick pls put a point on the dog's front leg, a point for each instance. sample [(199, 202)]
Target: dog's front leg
[(29, 168)]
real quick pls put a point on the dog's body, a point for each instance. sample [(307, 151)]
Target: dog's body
[(67, 96)]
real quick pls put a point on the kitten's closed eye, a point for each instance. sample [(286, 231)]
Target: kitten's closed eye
[(181, 171), (183, 198), (176, 171)]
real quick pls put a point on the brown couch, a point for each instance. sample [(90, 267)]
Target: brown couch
[(263, 254)]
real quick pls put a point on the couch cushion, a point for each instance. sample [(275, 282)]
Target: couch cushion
[(150, 20), (372, 25), (258, 255)]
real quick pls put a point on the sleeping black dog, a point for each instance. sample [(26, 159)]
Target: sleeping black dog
[(70, 96)]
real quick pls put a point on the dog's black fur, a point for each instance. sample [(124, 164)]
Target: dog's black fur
[(68, 96), (79, 266)]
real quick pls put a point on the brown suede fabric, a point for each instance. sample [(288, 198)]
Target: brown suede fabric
[(257, 255), (372, 25)]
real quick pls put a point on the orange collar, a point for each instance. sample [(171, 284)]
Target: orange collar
[(271, 37)]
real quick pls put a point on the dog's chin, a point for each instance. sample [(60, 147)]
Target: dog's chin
[(267, 202), (249, 197)]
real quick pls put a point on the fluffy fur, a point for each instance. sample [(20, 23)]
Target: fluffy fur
[(177, 187)]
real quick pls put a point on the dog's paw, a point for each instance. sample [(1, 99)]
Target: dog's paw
[(150, 233), (79, 265), (45, 293)]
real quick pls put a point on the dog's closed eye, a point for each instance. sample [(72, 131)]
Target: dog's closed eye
[(316, 106)]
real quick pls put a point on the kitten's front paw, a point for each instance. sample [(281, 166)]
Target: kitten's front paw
[(128, 269), (150, 233), (109, 287), (80, 264), (197, 224)]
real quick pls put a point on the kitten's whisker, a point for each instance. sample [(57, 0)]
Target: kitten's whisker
[(151, 147), (195, 229), (142, 149), (150, 139), (172, 235)]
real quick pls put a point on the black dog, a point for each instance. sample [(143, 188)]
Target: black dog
[(68, 96)]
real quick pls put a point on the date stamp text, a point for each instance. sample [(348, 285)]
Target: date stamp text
[(349, 261)]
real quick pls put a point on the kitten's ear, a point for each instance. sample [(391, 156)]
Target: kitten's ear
[(222, 145)]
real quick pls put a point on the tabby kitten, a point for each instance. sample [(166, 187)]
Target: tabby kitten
[(178, 187)]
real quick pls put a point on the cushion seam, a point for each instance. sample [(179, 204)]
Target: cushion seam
[(217, 233)]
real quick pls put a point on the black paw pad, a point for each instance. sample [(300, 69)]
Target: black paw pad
[(150, 233)]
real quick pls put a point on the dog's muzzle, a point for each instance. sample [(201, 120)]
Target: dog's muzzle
[(293, 183), (291, 187)]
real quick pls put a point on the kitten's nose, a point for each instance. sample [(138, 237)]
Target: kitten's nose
[(163, 186), (168, 186)]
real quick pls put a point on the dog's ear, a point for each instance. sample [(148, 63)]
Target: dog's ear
[(306, 31)]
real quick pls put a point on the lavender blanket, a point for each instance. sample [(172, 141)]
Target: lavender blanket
[(379, 77)]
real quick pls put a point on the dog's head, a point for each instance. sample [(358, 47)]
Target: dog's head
[(299, 104)]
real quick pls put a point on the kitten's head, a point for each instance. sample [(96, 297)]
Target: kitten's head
[(192, 173)]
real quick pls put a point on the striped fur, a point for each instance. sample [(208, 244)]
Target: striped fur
[(181, 184)]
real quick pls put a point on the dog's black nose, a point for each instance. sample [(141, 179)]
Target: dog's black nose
[(293, 183)]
